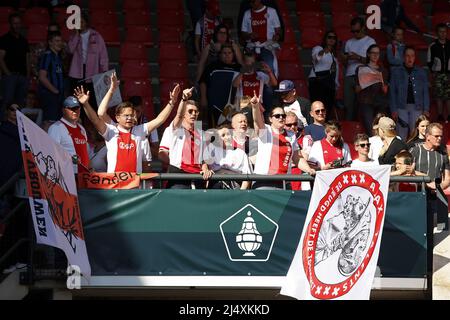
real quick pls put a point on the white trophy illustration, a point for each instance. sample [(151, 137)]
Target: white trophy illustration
[(249, 239)]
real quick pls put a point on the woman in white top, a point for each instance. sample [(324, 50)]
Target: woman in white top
[(375, 140), (323, 78)]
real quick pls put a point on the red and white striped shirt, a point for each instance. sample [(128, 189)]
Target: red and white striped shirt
[(263, 22)]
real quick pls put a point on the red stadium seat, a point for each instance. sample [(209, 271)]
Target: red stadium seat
[(169, 5), (135, 4), (166, 86), (311, 19), (66, 33), (137, 87), (311, 37), (379, 37), (342, 19), (342, 6), (104, 17), (170, 34), (173, 70), (132, 51), (350, 129), (35, 16), (353, 152), (4, 28), (441, 17), (4, 13), (371, 2), (291, 71), (289, 36), (301, 88), (441, 6), (416, 40), (109, 34), (172, 51), (170, 18), (415, 7), (37, 33), (310, 5), (288, 53), (141, 34), (135, 69), (102, 5), (137, 17), (344, 33), (418, 20)]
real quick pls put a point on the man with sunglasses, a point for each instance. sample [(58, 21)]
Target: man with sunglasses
[(290, 102), (362, 146), (355, 53), (316, 129), (71, 135)]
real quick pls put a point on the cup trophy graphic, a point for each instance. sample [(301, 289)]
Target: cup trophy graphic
[(249, 239)]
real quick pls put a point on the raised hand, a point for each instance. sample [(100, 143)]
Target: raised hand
[(175, 93), (114, 82), (187, 93), (82, 96), (255, 99)]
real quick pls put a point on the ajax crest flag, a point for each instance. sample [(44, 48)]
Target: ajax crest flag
[(338, 250)]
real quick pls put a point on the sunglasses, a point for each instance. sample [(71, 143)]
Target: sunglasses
[(294, 124), (279, 115), (320, 111), (363, 145), (192, 111)]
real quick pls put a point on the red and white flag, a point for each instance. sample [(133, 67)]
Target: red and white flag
[(52, 194), (338, 250)]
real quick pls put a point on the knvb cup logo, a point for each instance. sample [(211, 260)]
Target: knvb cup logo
[(341, 236), (249, 235)]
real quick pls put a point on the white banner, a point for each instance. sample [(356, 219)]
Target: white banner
[(338, 250), (101, 83), (52, 194)]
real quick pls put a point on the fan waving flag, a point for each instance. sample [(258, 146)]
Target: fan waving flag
[(52, 194), (338, 250)]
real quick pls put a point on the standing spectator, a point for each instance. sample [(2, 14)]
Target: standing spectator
[(14, 63), (291, 102), (183, 143), (31, 110), (316, 129), (124, 138), (395, 50), (376, 144), (417, 136), (11, 161), (393, 14), (362, 146), (211, 52), (51, 80), (355, 54), (205, 26), (438, 59), (330, 152), (262, 24), (392, 145), (371, 87), (409, 95), (250, 79), (90, 57), (434, 162), (71, 135), (277, 147), (324, 75), (196, 9)]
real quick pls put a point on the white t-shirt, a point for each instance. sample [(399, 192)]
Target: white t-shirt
[(375, 147), (295, 108), (98, 159), (358, 163), (229, 159), (265, 146), (273, 21), (174, 140), (323, 63), (138, 134), (85, 44), (358, 46), (59, 133)]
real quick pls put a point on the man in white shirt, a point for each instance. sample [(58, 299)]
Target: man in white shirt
[(362, 146), (290, 103), (355, 53)]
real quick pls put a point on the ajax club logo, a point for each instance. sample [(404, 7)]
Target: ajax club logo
[(342, 234), (249, 235)]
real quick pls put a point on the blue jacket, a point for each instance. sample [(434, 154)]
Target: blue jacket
[(398, 92)]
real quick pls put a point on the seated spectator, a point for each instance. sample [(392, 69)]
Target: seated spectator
[(395, 50), (71, 135), (51, 78), (260, 25), (223, 158), (124, 138), (277, 147), (211, 52), (371, 87), (317, 129), (250, 79), (291, 102), (182, 145), (392, 145), (330, 152), (324, 75), (31, 110), (216, 85), (205, 26), (362, 146)]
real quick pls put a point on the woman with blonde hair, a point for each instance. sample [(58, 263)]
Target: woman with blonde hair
[(392, 145)]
